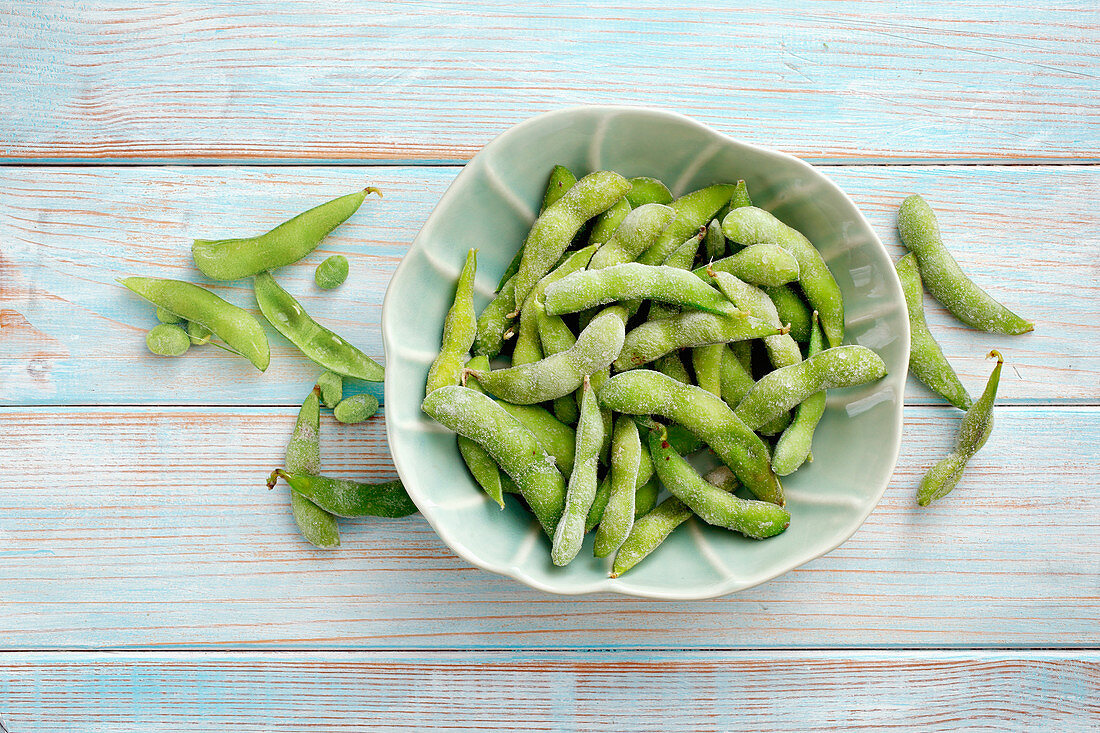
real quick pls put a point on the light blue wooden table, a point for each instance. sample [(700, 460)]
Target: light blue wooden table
[(148, 582)]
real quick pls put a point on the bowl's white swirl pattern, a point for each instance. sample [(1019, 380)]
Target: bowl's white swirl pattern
[(491, 205)]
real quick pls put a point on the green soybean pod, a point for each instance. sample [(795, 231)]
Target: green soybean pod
[(977, 424), (459, 330), (167, 340), (631, 281), (331, 273), (318, 343), (756, 519), (739, 199), (607, 222), (654, 339), (693, 210), (645, 498), (743, 351), (515, 448), (715, 241), (603, 492), (240, 331), (945, 280), (707, 362), (618, 516), (303, 455), (198, 333), (776, 425), (645, 392), (636, 232), (926, 359), (759, 264), (734, 380), (792, 311), (528, 347), (482, 466), (331, 385), (783, 350), (168, 317), (749, 225), (232, 259), (581, 489), (561, 180), (355, 409), (349, 498), (556, 337), (681, 258), (778, 391), (493, 323), (645, 190), (793, 448), (562, 373), (673, 366)]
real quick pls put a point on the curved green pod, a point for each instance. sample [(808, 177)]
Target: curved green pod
[(653, 339), (645, 190), (349, 498), (758, 264), (793, 447), (693, 210), (583, 479), (303, 455), (632, 281), (459, 330), (636, 232)]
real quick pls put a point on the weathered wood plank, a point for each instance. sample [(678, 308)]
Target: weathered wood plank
[(554, 691), (407, 81), (72, 336), (151, 527)]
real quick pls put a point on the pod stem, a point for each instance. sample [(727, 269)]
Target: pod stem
[(372, 189), (994, 354), (274, 478)]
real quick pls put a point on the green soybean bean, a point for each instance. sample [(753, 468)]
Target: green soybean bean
[(561, 180), (618, 516), (581, 489), (645, 190), (630, 281), (654, 339), (974, 431), (926, 359), (792, 310), (707, 362), (303, 455), (783, 350), (793, 448), (459, 330), (693, 210), (198, 333), (167, 340), (673, 366), (240, 331), (760, 264), (555, 228), (755, 519), (607, 222), (167, 316), (493, 323), (739, 199), (645, 392), (715, 242), (331, 385), (349, 498), (562, 373), (232, 259), (749, 225), (779, 391), (355, 409), (318, 343), (331, 273), (735, 380), (638, 230), (603, 491), (945, 280), (515, 448)]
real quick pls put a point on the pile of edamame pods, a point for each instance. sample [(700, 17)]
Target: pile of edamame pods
[(192, 315), (632, 329)]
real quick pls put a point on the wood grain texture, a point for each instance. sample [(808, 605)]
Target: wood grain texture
[(567, 692), (73, 336), (147, 528), (403, 81)]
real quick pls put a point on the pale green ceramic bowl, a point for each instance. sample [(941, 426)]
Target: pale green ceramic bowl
[(491, 205)]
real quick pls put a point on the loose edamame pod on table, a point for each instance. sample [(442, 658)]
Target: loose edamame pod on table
[(632, 281), (167, 340), (618, 515), (348, 498), (758, 264), (645, 190), (459, 329), (693, 210), (355, 409), (232, 259), (240, 331), (749, 225), (645, 392), (793, 447), (561, 180), (515, 448), (331, 273), (945, 280), (977, 424), (581, 489), (303, 455), (926, 359), (318, 343), (778, 391), (331, 385), (653, 339)]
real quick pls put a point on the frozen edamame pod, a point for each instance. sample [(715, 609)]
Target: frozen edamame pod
[(482, 466), (238, 328), (638, 230), (645, 190), (672, 365), (782, 348), (707, 362), (735, 380), (793, 447), (581, 489), (603, 491), (693, 210), (493, 323), (528, 347), (607, 222), (739, 199), (945, 280), (630, 281), (515, 448), (792, 310), (715, 241), (459, 330), (561, 180), (618, 516), (749, 225), (977, 424), (349, 498), (926, 359), (303, 455), (232, 259), (654, 339), (759, 264)]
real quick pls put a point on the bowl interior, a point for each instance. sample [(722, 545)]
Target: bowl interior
[(491, 205)]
